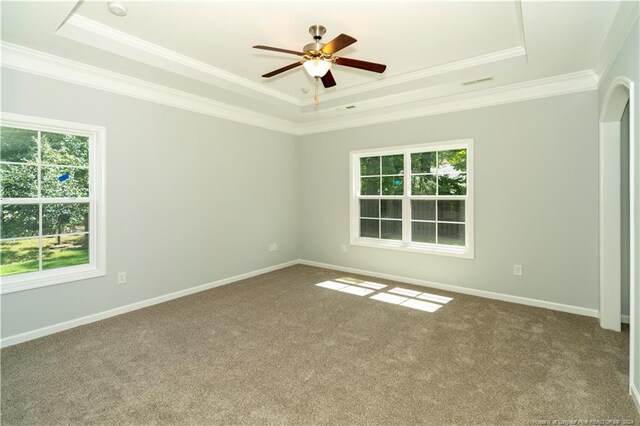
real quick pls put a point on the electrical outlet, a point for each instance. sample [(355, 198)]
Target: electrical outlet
[(122, 277), (344, 248), (517, 270), (273, 247)]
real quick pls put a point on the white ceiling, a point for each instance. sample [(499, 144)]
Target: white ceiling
[(430, 48), (401, 35)]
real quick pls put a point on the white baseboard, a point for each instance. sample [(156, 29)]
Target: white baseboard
[(55, 328), (624, 319), (635, 395), (464, 290)]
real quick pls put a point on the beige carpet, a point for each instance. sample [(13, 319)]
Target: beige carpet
[(277, 349)]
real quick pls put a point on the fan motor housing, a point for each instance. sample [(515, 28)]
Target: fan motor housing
[(313, 49)]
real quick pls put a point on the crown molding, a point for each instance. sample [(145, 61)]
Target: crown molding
[(43, 64), (500, 55), (541, 88), (623, 22), (47, 65), (82, 29), (85, 30)]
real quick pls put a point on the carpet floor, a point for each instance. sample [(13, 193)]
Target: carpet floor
[(277, 349)]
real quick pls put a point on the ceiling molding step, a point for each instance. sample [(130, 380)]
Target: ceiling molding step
[(541, 88), (47, 65), (43, 64), (500, 55), (87, 31), (523, 35), (623, 22)]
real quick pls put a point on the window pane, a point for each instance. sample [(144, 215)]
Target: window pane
[(370, 208), (64, 150), (391, 209), (452, 184), (454, 160), (451, 234), (18, 145), (65, 182), (423, 232), (20, 220), (370, 186), (369, 228), (423, 162), (70, 250), (17, 181), (451, 210), (19, 256), (393, 164), (369, 166), (393, 185), (65, 218), (423, 209), (391, 229), (423, 185)]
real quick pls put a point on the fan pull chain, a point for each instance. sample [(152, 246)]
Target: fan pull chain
[(316, 99)]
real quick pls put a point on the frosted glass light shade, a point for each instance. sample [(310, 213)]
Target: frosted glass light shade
[(317, 67)]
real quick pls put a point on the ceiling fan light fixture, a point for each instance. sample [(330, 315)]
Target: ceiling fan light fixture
[(317, 67)]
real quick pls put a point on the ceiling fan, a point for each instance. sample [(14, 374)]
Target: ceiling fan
[(317, 58)]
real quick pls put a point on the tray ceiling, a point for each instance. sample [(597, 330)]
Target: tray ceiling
[(430, 48)]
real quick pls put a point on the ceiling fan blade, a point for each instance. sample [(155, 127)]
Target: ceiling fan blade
[(277, 49), (363, 65), (327, 80), (338, 43), (283, 69)]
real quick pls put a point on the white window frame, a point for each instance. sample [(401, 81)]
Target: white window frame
[(97, 205), (466, 251)]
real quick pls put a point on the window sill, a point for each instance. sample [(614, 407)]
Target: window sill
[(28, 281), (453, 251)]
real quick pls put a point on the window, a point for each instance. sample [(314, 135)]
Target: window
[(52, 202), (415, 198)]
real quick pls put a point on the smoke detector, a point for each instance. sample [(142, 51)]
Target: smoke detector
[(117, 8)]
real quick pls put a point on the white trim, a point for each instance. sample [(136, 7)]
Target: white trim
[(96, 200), (551, 86), (621, 26), (98, 35), (46, 65), (610, 115), (523, 37), (500, 55), (95, 34), (414, 247), (463, 290), (635, 395), (66, 325), (624, 319)]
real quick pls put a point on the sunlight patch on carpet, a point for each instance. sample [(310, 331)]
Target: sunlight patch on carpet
[(389, 298), (413, 299)]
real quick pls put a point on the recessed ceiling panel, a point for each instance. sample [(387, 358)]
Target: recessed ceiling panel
[(407, 36)]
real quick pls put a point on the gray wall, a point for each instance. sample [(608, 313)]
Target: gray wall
[(190, 199), (627, 64), (193, 199), (536, 198)]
